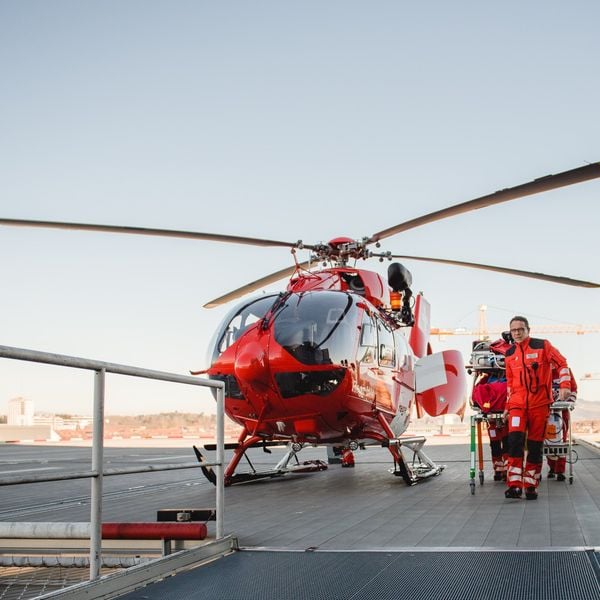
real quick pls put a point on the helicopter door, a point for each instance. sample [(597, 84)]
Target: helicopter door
[(376, 362), (366, 358), (404, 385), (386, 387)]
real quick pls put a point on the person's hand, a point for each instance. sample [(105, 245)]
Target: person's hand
[(563, 394)]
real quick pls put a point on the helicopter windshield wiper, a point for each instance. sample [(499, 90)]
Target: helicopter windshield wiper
[(337, 323), (276, 308)]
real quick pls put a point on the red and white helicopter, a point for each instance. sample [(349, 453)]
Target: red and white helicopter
[(341, 357)]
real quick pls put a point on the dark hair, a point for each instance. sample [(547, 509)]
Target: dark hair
[(519, 318)]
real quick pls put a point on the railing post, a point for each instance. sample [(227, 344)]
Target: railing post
[(97, 480), (97, 472), (220, 459)]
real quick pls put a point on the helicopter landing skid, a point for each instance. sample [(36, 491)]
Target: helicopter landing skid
[(421, 467), (308, 466), (282, 468)]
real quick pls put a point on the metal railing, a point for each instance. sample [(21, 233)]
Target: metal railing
[(97, 471)]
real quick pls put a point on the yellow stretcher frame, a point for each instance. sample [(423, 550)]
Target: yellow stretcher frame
[(477, 418)]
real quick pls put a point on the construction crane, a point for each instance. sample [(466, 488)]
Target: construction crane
[(483, 332)]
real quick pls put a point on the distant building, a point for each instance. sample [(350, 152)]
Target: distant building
[(63, 423), (21, 426), (20, 412)]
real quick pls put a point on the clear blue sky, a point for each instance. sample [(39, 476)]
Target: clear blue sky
[(285, 120)]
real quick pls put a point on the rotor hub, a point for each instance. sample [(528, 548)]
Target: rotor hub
[(342, 249)]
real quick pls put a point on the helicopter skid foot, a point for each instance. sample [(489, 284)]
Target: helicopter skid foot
[(207, 471), (414, 474), (421, 467), (308, 466)]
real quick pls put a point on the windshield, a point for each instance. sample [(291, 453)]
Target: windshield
[(318, 328), (246, 315)]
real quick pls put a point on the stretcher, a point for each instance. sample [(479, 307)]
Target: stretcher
[(556, 447), (485, 362), (560, 446)]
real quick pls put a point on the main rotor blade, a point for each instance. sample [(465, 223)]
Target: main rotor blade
[(543, 184), (194, 235), (255, 285), (506, 270)]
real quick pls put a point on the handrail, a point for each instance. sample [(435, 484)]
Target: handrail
[(18, 479), (96, 473)]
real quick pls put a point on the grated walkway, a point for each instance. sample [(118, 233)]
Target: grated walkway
[(526, 575)]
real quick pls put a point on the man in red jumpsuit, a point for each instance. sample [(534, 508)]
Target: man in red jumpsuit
[(529, 365)]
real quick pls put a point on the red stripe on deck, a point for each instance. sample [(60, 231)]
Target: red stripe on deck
[(153, 531)]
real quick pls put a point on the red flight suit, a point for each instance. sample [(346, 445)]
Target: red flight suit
[(529, 377)]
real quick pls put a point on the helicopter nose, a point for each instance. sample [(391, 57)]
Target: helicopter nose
[(251, 365)]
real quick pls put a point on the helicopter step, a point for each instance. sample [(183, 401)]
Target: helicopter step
[(420, 467)]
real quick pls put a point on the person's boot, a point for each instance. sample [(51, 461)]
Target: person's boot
[(560, 477), (531, 493), (550, 474), (513, 492), (497, 475)]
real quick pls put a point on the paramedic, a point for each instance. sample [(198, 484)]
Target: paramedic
[(529, 365)]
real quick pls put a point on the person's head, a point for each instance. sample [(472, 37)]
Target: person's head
[(519, 328)]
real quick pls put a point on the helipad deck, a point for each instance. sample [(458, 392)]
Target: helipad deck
[(363, 510)]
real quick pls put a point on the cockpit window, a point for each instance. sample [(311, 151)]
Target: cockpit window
[(318, 328), (368, 340), (244, 318), (387, 348)]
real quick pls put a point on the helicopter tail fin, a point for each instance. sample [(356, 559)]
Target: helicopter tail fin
[(419, 335)]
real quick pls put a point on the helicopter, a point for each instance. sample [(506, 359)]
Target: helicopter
[(341, 357)]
